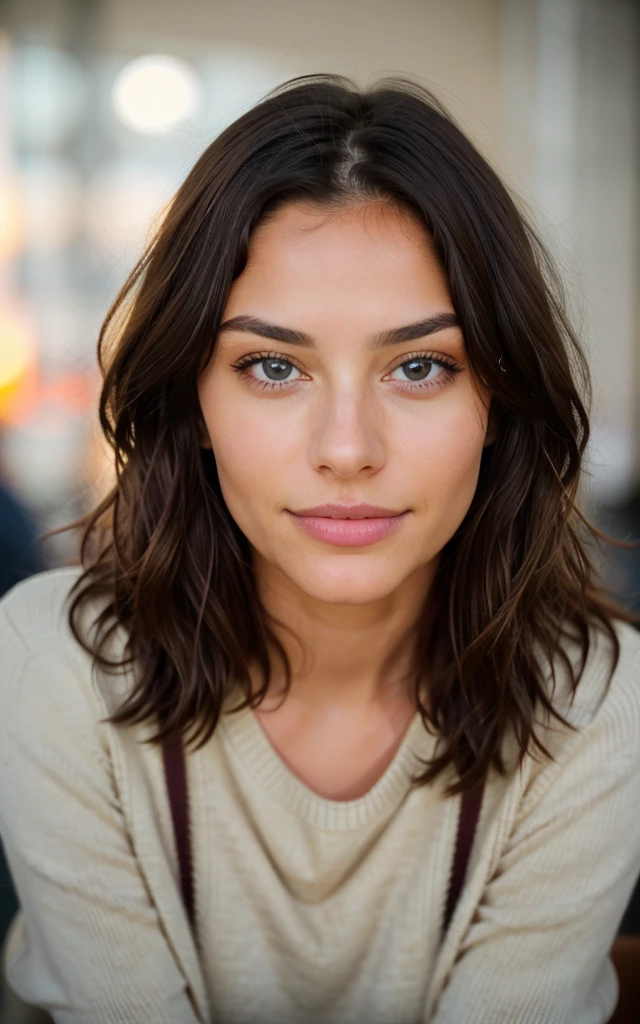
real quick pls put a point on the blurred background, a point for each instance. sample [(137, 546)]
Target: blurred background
[(105, 104)]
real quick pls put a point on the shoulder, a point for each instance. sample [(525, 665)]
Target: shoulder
[(35, 608), (596, 743), (608, 686), (47, 681)]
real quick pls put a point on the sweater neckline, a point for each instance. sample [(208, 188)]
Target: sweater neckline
[(257, 757)]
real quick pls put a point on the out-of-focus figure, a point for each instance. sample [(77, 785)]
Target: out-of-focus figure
[(20, 555)]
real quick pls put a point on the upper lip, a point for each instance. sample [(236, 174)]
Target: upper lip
[(336, 510)]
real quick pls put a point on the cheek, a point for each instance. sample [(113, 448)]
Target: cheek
[(447, 458), (250, 450)]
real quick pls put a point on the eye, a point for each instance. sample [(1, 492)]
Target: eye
[(425, 371), (418, 370), (267, 371), (275, 369)]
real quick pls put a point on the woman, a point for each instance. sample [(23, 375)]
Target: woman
[(344, 570)]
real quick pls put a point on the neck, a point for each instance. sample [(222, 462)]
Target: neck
[(351, 656)]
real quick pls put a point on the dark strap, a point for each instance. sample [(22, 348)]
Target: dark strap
[(176, 778), (470, 805)]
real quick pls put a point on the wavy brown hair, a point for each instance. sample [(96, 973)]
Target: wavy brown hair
[(161, 553)]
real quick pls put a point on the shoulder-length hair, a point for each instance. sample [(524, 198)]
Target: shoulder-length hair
[(161, 552)]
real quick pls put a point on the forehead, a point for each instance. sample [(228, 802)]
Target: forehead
[(370, 252)]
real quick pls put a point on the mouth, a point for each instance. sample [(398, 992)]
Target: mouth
[(344, 526), (335, 510)]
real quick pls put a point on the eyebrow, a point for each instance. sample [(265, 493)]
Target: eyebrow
[(381, 339)]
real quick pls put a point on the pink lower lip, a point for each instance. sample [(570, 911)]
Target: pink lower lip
[(348, 532)]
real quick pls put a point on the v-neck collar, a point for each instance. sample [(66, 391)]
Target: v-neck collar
[(259, 758)]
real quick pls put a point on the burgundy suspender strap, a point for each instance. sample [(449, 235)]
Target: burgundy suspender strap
[(470, 805), (176, 779)]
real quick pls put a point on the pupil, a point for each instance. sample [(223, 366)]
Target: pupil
[(417, 369), (281, 371)]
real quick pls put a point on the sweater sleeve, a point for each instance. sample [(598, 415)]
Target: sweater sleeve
[(92, 949), (536, 951)]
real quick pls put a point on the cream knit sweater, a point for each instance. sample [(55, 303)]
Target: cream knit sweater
[(309, 911)]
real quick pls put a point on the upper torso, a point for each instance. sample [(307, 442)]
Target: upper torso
[(310, 910)]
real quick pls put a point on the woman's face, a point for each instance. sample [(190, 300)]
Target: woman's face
[(325, 405)]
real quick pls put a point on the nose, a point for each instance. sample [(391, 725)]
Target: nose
[(347, 434)]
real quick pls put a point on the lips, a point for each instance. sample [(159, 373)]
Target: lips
[(334, 510), (348, 525)]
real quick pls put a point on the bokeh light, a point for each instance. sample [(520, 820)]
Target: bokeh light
[(154, 93), (18, 356), (52, 203), (12, 218), (48, 96), (124, 199)]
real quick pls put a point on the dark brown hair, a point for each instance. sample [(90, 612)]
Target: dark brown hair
[(161, 552)]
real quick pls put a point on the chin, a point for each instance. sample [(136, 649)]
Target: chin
[(348, 584)]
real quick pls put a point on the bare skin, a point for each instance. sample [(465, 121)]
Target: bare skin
[(348, 424)]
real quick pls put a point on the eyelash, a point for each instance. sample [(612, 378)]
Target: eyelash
[(451, 369)]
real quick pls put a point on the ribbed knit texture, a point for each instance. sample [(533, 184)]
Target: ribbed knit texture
[(309, 911)]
